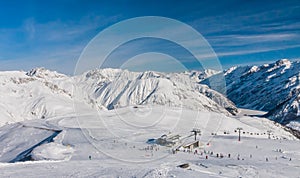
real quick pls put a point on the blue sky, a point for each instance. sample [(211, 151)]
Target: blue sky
[(52, 34)]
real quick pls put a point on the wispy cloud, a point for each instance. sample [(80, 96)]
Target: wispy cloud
[(242, 40), (253, 51), (265, 37), (233, 29), (257, 28), (49, 44)]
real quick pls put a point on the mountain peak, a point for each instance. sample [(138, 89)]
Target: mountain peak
[(282, 62), (41, 72)]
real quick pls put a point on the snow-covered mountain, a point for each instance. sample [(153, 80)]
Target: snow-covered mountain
[(113, 88), (24, 96), (270, 87), (113, 141), (41, 93)]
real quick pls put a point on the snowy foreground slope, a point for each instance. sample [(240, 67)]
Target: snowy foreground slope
[(270, 87), (116, 141)]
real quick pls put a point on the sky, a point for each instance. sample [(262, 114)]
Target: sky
[(53, 34)]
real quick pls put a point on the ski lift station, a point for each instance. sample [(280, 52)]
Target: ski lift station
[(179, 142), (191, 145), (168, 140)]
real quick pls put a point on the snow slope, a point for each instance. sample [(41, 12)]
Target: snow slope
[(116, 141), (270, 87)]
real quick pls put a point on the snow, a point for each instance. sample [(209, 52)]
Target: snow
[(52, 151), (292, 81), (270, 76), (41, 93), (101, 122), (13, 142), (254, 69), (230, 70), (116, 141), (273, 88), (250, 112), (295, 125), (32, 97), (123, 88)]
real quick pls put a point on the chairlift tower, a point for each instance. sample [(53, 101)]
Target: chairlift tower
[(239, 129), (196, 132)]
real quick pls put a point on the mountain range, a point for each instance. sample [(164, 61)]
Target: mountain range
[(105, 119), (273, 88), (42, 93)]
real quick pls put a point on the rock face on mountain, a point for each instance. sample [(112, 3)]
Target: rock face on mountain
[(41, 93), (288, 112), (271, 87)]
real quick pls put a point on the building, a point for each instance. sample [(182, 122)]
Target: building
[(192, 145), (168, 140)]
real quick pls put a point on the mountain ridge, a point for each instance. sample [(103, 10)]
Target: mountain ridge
[(41, 93), (270, 87)]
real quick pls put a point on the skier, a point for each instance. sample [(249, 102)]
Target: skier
[(221, 155), (90, 157)]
